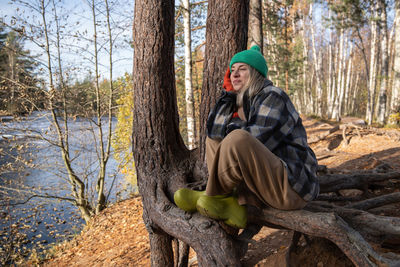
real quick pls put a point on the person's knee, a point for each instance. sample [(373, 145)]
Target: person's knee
[(237, 139), (238, 135)]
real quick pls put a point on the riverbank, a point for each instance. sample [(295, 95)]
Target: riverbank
[(33, 166), (28, 226)]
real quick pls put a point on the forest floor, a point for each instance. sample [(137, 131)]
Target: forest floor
[(118, 237)]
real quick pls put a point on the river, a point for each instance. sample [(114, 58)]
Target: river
[(34, 224)]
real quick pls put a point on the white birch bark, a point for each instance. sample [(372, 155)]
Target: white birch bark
[(373, 69), (343, 80), (311, 106), (306, 88), (391, 64), (334, 66), (348, 81), (190, 114), (317, 66), (255, 35), (385, 66), (335, 111), (329, 99), (395, 100), (355, 91)]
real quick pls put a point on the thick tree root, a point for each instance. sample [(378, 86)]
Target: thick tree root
[(327, 225), (361, 180)]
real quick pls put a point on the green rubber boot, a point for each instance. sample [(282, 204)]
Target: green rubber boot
[(186, 199), (224, 208)]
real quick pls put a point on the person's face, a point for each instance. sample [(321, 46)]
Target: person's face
[(239, 76)]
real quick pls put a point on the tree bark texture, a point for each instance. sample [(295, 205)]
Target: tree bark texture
[(395, 99), (163, 163), (343, 75), (163, 257), (317, 65), (155, 111), (226, 34), (190, 113), (385, 65), (348, 81), (304, 106), (340, 74), (255, 25), (330, 89), (373, 68)]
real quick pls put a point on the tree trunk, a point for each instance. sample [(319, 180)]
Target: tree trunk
[(164, 256), (231, 16), (391, 45), (335, 111), (317, 66), (286, 56), (155, 113), (385, 65), (11, 53), (103, 155), (348, 81), (306, 101), (373, 68), (355, 93), (343, 75), (162, 161), (190, 113), (255, 25), (335, 67), (330, 73), (395, 99)]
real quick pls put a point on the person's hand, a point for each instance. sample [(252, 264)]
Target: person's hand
[(227, 85)]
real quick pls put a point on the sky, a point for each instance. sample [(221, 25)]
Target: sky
[(76, 20), (77, 52)]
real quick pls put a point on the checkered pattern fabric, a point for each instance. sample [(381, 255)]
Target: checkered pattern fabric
[(274, 121)]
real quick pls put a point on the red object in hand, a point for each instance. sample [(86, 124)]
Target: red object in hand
[(227, 85)]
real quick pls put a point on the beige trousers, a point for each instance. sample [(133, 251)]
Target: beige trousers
[(242, 162)]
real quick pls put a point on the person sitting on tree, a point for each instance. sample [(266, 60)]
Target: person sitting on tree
[(256, 150)]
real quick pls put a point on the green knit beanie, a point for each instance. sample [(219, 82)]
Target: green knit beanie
[(252, 57)]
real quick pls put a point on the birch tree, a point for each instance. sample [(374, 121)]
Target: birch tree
[(255, 24), (348, 81), (331, 76), (342, 87), (391, 46), (373, 65), (395, 99), (317, 65), (307, 94), (190, 112), (337, 90), (384, 74)]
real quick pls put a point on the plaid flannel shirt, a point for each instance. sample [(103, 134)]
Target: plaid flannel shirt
[(274, 121)]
